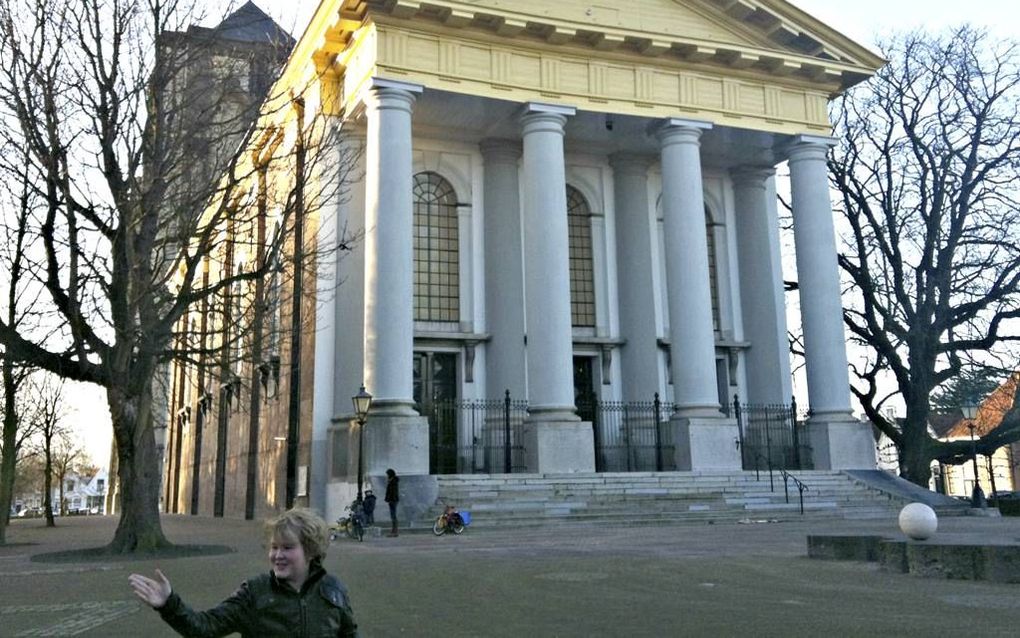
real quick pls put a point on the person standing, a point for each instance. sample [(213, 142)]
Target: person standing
[(392, 498), (296, 598)]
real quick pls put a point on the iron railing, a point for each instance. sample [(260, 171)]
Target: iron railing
[(476, 436), (630, 436), (486, 435), (770, 436)]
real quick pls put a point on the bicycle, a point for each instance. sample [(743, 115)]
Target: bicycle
[(352, 523), (451, 520)]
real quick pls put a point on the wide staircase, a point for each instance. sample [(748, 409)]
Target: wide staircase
[(651, 498)]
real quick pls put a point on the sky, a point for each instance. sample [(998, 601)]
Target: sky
[(863, 20)]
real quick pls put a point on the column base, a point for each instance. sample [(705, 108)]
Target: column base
[(398, 442), (559, 447), (840, 442), (706, 443)]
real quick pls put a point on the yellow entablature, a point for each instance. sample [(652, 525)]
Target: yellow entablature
[(758, 64)]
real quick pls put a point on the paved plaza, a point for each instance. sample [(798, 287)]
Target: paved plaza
[(683, 580)]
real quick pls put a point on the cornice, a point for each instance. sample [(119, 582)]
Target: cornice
[(786, 51)]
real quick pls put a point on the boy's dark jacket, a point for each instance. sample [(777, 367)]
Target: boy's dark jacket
[(265, 606)]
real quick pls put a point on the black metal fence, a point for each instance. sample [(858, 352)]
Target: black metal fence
[(477, 436), (630, 436), (486, 436), (770, 437)]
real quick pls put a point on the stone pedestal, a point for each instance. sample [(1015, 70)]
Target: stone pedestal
[(398, 442), (559, 447), (706, 443), (838, 442)]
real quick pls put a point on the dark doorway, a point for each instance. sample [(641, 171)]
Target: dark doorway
[(435, 396), (584, 387)]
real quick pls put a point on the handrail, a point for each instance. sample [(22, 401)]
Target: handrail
[(801, 487)]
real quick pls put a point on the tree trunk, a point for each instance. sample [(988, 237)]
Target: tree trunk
[(138, 473), (10, 455), (48, 483)]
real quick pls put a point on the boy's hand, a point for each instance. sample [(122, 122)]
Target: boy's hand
[(153, 593)]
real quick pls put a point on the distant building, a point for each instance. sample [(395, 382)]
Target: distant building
[(995, 474)]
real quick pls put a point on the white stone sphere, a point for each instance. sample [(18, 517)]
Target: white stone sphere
[(918, 521)]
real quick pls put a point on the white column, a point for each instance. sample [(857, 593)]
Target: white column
[(504, 270), (389, 290), (836, 439), (555, 439), (690, 300), (635, 236), (547, 265), (818, 275), (761, 286)]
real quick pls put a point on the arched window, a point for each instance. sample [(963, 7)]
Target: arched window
[(436, 250), (582, 268)]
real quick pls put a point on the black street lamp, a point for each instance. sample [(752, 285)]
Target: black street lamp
[(362, 402), (977, 497)]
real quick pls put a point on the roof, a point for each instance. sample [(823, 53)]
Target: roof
[(991, 410), (250, 24), (942, 422)]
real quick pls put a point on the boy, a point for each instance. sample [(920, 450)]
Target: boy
[(296, 598)]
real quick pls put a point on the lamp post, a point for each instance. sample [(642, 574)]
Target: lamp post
[(362, 402), (977, 497)]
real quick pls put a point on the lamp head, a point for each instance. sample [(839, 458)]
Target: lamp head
[(362, 402)]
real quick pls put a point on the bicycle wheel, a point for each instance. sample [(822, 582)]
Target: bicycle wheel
[(439, 527), (457, 527)]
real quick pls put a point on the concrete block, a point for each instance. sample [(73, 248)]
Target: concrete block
[(560, 447), (841, 443), (706, 443)]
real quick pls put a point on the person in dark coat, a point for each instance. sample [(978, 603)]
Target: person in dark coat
[(392, 498), (296, 598), (369, 506)]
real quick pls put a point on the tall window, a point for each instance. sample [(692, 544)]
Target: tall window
[(713, 279), (582, 269), (436, 250)]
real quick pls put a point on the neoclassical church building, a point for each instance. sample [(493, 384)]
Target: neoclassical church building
[(570, 199)]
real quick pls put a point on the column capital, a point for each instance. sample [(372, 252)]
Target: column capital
[(754, 176), (673, 130), (630, 163), (547, 118), (807, 147), (390, 94), (500, 150)]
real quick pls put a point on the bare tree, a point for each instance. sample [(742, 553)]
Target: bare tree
[(45, 394), (125, 231), (927, 167), (66, 456), (18, 306)]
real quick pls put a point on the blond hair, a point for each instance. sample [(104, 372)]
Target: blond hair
[(304, 525)]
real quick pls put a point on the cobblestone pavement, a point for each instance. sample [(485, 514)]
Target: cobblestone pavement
[(683, 580)]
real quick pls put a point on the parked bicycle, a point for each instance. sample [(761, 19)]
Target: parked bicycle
[(451, 520), (351, 524)]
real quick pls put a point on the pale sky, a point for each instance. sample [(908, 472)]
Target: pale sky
[(862, 20)]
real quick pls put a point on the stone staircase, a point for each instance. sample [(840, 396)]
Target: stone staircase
[(650, 498)]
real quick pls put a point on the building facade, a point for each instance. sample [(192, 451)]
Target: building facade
[(570, 200)]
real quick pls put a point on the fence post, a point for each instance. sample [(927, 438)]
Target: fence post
[(657, 406), (507, 461), (796, 433), (768, 447), (740, 431)]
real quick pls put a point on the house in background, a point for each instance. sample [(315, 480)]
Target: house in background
[(995, 474)]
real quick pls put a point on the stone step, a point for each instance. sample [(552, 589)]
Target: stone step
[(646, 498)]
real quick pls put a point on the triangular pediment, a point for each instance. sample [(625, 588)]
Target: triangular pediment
[(655, 18)]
